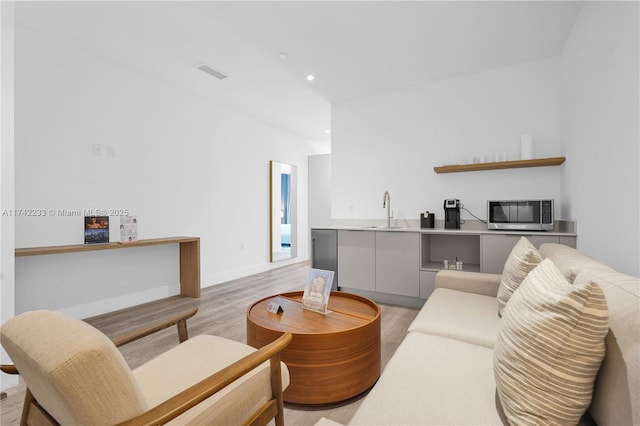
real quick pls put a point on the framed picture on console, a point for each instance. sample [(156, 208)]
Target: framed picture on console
[(96, 229), (317, 290)]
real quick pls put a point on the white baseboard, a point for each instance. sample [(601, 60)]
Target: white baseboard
[(120, 302), (245, 272)]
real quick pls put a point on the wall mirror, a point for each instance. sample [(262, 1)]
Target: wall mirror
[(283, 212)]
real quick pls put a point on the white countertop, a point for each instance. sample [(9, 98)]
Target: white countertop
[(469, 227)]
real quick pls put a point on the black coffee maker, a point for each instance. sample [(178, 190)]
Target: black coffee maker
[(451, 214)]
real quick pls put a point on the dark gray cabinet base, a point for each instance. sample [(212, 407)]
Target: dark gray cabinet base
[(324, 252)]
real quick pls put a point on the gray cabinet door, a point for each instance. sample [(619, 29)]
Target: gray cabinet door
[(496, 249), (568, 241), (427, 283), (357, 259), (398, 263), (324, 252)]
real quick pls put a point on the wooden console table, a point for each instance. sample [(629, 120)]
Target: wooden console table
[(189, 256)]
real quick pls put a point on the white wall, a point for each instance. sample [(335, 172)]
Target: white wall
[(183, 165), (601, 125), (319, 190), (583, 105), (393, 140), (7, 200)]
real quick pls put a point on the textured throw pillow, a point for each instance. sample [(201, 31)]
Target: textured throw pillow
[(523, 258), (549, 348)]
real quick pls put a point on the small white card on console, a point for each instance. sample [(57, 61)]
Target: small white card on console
[(275, 308)]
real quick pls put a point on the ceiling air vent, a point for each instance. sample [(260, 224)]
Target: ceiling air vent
[(212, 71)]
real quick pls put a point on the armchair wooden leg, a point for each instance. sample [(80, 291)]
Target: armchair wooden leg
[(28, 400), (34, 414), (182, 330), (276, 388)]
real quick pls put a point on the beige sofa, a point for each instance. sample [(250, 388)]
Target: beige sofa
[(443, 371)]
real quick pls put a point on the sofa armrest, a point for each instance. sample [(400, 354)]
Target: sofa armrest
[(470, 282)]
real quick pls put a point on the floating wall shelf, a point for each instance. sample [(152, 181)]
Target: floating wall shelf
[(537, 162)]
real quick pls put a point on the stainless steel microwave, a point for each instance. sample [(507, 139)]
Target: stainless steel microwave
[(529, 215)]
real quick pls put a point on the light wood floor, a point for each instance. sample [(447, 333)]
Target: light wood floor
[(222, 311)]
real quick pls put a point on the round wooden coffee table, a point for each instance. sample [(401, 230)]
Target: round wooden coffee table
[(333, 356)]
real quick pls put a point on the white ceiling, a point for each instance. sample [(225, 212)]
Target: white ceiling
[(353, 48)]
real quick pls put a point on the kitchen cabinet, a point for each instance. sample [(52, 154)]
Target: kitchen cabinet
[(427, 283), (496, 248), (436, 248), (397, 263), (324, 252), (357, 259), (399, 266)]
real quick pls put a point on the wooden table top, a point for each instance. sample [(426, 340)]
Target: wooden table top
[(346, 311)]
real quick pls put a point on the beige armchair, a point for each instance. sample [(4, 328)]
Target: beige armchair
[(75, 375)]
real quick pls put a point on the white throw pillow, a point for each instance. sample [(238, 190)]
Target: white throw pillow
[(549, 348), (522, 259)]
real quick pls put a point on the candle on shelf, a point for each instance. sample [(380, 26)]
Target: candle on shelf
[(526, 147)]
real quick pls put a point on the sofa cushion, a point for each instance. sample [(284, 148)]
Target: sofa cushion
[(433, 380), (550, 347), (468, 317), (194, 360), (469, 282), (522, 259), (569, 260)]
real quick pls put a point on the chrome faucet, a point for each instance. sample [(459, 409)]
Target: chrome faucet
[(386, 203)]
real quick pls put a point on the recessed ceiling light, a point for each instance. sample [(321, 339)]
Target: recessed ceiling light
[(328, 131), (310, 77)]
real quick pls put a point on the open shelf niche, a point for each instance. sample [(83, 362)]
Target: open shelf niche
[(435, 248)]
